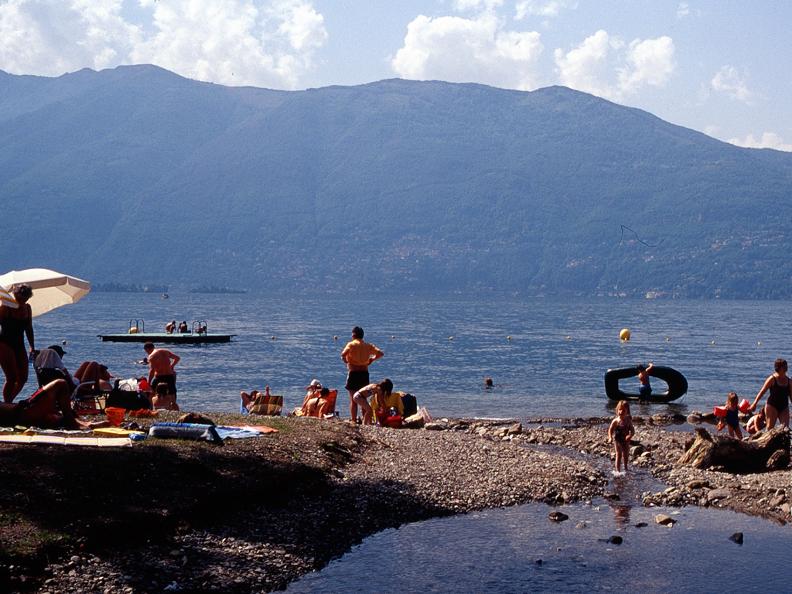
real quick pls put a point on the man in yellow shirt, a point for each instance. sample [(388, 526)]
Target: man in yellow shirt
[(358, 355)]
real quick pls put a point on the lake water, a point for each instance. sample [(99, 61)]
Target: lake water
[(440, 350)]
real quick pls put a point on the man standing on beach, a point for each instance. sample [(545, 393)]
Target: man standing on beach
[(358, 355), (161, 363)]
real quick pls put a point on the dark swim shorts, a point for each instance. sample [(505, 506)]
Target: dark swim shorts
[(356, 380), (168, 380)]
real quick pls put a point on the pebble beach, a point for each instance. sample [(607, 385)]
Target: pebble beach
[(256, 514)]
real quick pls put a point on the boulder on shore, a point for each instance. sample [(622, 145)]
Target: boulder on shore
[(768, 452)]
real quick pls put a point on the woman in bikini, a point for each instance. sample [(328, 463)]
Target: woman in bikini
[(777, 406), (15, 324)]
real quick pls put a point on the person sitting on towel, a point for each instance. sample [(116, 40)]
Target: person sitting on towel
[(48, 408)]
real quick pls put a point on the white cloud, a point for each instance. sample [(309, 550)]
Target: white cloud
[(767, 140), (253, 42), (542, 8), (468, 50), (604, 66), (477, 5), (649, 62), (683, 10), (730, 81), (50, 38)]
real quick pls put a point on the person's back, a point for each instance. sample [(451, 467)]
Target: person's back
[(160, 362)]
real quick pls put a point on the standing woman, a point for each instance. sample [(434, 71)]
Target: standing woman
[(777, 407), (15, 324)]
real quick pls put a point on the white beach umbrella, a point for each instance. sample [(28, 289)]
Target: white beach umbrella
[(50, 289)]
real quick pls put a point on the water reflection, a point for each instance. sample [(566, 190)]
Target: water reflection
[(519, 550)]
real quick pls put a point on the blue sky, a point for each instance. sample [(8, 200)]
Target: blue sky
[(721, 67)]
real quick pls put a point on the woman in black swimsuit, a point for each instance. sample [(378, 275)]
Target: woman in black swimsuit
[(777, 407), (15, 324)]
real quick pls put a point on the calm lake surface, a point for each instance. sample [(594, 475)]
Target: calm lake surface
[(440, 350)]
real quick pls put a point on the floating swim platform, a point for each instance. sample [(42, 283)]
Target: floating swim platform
[(677, 384), (164, 337), (198, 333)]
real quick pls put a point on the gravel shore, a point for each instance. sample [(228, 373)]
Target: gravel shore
[(256, 514)]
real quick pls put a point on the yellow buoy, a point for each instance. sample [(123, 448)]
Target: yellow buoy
[(624, 334)]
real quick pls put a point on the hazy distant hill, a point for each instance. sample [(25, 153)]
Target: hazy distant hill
[(136, 175)]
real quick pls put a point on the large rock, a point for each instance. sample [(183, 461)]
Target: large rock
[(664, 520), (734, 455)]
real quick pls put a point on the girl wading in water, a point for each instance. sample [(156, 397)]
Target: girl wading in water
[(777, 406), (15, 324), (620, 433)]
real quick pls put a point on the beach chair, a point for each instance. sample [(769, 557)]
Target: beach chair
[(327, 408), (89, 398), (267, 404)]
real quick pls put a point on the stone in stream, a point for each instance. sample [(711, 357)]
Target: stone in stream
[(737, 537), (698, 484), (616, 539), (715, 494), (664, 520), (641, 525), (557, 516)]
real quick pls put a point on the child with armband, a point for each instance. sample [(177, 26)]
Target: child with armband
[(732, 418)]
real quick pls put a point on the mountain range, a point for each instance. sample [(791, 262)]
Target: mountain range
[(137, 175)]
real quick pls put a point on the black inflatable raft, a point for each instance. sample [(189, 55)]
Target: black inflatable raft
[(677, 384)]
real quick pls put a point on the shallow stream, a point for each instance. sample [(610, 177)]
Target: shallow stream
[(519, 549)]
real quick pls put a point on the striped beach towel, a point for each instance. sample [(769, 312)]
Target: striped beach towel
[(7, 299)]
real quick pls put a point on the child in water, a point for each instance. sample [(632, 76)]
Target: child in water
[(645, 390), (732, 420), (620, 432)]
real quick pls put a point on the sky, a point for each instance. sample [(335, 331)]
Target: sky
[(723, 67)]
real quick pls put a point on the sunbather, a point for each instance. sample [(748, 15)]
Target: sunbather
[(92, 371), (48, 408)]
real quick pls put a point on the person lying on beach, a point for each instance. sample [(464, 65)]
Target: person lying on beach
[(620, 432), (162, 399), (777, 406), (373, 391), (732, 419), (47, 408)]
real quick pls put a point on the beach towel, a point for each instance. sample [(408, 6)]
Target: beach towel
[(102, 442), (243, 432), (267, 404)]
